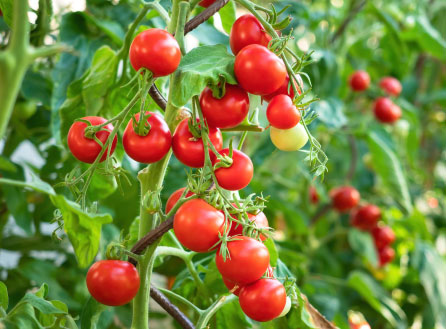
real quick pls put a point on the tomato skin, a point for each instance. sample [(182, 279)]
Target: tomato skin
[(238, 175), (383, 236), (386, 111), (344, 198), (245, 31), (230, 285), (156, 50), (174, 197), (206, 3), (314, 196), (288, 140), (359, 81), (258, 70), (248, 261), (85, 149), (360, 325), (366, 217), (189, 151), (263, 300), (282, 113), (113, 282), (152, 147), (283, 89), (260, 221), (386, 255), (391, 86), (197, 225), (228, 111)]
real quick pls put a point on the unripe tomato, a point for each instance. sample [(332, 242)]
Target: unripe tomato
[(366, 217), (197, 225), (113, 282), (287, 307), (383, 236), (87, 149), (238, 175), (258, 70), (285, 89), (206, 3), (259, 220), (385, 255), (152, 147), (245, 31), (190, 150), (292, 139), (174, 197), (359, 81), (344, 198), (248, 260), (386, 111), (24, 110), (314, 196), (282, 113), (391, 86), (263, 300), (230, 285), (157, 51), (228, 111)]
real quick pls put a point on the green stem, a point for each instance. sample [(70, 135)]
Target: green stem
[(184, 9), (155, 5), (20, 28), (181, 299), (209, 312)]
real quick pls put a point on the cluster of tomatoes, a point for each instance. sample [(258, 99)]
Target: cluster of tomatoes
[(366, 218), (385, 110)]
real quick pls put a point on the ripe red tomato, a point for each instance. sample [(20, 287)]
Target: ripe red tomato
[(174, 197), (386, 255), (197, 225), (366, 217), (206, 3), (258, 70), (386, 111), (359, 81), (391, 86), (263, 300), (87, 149), (113, 282), (238, 175), (344, 198), (282, 113), (152, 147), (156, 50), (314, 196), (360, 325), (190, 151), (285, 89), (228, 111), (245, 31), (260, 221), (248, 260), (383, 236), (288, 140), (230, 285)]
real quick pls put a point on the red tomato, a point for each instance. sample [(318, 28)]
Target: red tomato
[(359, 81), (174, 197), (386, 255), (197, 225), (314, 196), (248, 260), (366, 217), (263, 300), (360, 325), (282, 113), (113, 282), (386, 111), (152, 147), (383, 236), (87, 149), (245, 31), (258, 70), (230, 285), (206, 3), (190, 151), (344, 198), (260, 220), (284, 89), (228, 111), (157, 51), (238, 175), (391, 86)]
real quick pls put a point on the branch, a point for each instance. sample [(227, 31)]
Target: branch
[(20, 27), (321, 212), (204, 15), (353, 158), (347, 20), (158, 97), (46, 51)]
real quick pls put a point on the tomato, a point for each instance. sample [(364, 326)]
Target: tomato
[(87, 149), (174, 197), (286, 308), (292, 139), (263, 300), (386, 111), (245, 31), (206, 3), (360, 325), (24, 110), (258, 70), (190, 151), (344, 198), (365, 217), (282, 113), (383, 236), (197, 225), (113, 282), (260, 221), (359, 81), (314, 196), (228, 111), (285, 89), (391, 86), (238, 175), (152, 147), (230, 285), (385, 255), (157, 51), (247, 261)]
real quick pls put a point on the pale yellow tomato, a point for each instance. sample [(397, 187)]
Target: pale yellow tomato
[(292, 139)]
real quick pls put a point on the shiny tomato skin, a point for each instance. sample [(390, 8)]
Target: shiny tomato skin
[(156, 50), (391, 86), (359, 81), (285, 89), (289, 140), (385, 255), (245, 31), (197, 225), (386, 111), (230, 285), (206, 3), (152, 147), (360, 325), (282, 113), (174, 197), (248, 260), (366, 217), (263, 300), (260, 220), (85, 149), (113, 282), (383, 236), (344, 198), (238, 175), (190, 151), (258, 70), (228, 111)]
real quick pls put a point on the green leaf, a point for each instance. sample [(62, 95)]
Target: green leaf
[(273, 254), (4, 299), (37, 86), (200, 67), (231, 316), (90, 313), (111, 28), (228, 16), (6, 7), (330, 111), (36, 184), (7, 165), (42, 305), (362, 243)]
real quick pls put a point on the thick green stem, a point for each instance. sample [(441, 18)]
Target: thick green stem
[(208, 313)]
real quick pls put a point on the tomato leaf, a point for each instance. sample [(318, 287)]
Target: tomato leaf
[(4, 299), (362, 243), (330, 111), (6, 7), (228, 16), (231, 316), (90, 313), (273, 254)]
